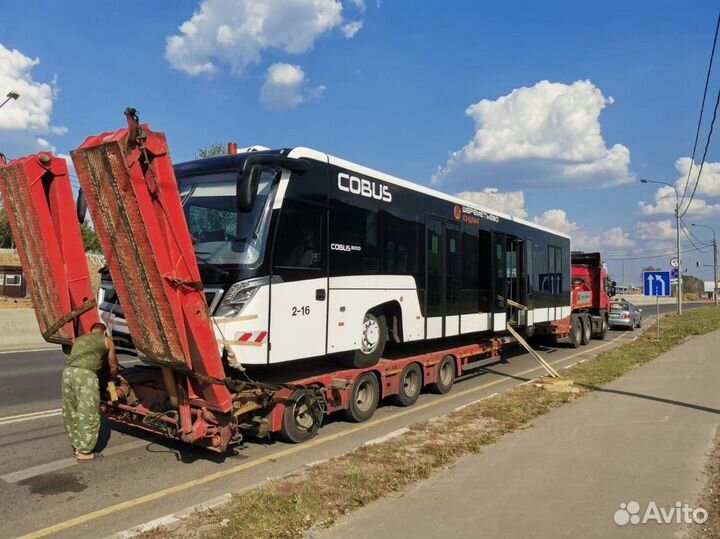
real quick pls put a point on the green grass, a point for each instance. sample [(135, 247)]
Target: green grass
[(288, 507)]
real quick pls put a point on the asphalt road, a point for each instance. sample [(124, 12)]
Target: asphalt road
[(143, 477)]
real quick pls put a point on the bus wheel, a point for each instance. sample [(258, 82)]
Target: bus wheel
[(373, 337), (410, 385), (576, 333), (301, 418), (587, 331), (445, 376), (364, 398)]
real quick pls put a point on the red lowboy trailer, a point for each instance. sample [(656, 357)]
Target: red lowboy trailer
[(190, 386)]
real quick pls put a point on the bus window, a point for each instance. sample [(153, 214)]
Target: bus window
[(299, 239)]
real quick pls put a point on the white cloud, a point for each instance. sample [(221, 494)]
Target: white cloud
[(360, 4), (557, 220), (547, 133), (581, 238), (350, 29), (655, 230), (615, 238), (708, 187), (237, 32), (665, 201), (285, 87), (32, 111), (709, 184), (511, 202)]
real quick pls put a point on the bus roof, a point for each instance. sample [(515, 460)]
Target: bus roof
[(235, 161), (300, 152)]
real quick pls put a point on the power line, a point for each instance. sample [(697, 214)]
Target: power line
[(685, 231), (660, 250), (649, 257), (702, 109), (707, 145)]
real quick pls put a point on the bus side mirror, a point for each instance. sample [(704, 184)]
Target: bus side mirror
[(247, 187), (81, 207)]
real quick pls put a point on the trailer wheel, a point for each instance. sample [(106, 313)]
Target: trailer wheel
[(301, 418), (576, 333), (445, 376), (604, 328), (372, 342), (364, 398), (410, 385), (587, 331)]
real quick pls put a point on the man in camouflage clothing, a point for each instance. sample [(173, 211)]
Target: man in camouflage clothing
[(81, 389)]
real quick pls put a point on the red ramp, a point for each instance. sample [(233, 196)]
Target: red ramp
[(133, 197), (39, 202)]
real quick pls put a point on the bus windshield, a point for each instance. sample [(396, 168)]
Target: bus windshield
[(221, 235)]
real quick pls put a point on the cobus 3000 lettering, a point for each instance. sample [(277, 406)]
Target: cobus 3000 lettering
[(363, 187)]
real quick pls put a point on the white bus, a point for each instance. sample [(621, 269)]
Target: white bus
[(326, 257)]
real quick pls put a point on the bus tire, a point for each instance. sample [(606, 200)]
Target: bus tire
[(364, 398), (575, 332), (410, 385), (298, 423), (372, 342), (445, 376), (587, 331)]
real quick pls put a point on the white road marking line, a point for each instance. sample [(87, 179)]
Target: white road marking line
[(29, 417), (34, 471), (172, 518), (388, 436), (47, 349), (480, 399)]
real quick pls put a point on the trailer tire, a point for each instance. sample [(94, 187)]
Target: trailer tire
[(587, 331), (445, 376), (410, 385), (576, 332), (370, 352), (364, 398), (604, 327), (298, 423)]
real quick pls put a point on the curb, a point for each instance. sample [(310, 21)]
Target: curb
[(172, 518)]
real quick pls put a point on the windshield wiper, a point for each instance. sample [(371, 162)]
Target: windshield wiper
[(205, 261)]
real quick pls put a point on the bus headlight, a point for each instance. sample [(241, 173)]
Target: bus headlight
[(238, 295)]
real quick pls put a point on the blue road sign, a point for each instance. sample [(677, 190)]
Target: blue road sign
[(656, 283), (674, 273)]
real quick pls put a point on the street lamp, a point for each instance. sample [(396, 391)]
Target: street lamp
[(11, 95), (677, 230), (715, 262)]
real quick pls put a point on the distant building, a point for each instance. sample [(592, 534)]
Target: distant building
[(12, 282)]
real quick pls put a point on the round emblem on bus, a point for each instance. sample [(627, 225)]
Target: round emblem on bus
[(457, 212)]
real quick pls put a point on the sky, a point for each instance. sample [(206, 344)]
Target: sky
[(551, 111)]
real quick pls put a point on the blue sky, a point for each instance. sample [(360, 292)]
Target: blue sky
[(387, 84)]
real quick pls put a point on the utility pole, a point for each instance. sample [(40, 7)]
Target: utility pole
[(677, 237), (715, 262)]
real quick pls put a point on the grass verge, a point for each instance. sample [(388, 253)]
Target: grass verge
[(288, 507), (710, 497)]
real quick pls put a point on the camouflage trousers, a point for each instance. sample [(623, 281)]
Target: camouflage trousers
[(81, 408)]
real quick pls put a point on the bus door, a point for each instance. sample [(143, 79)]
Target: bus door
[(515, 270), (442, 308), (299, 288), (500, 282)]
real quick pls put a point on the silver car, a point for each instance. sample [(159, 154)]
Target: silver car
[(625, 314)]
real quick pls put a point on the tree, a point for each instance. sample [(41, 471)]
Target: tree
[(646, 268), (210, 151), (90, 239), (6, 237)]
